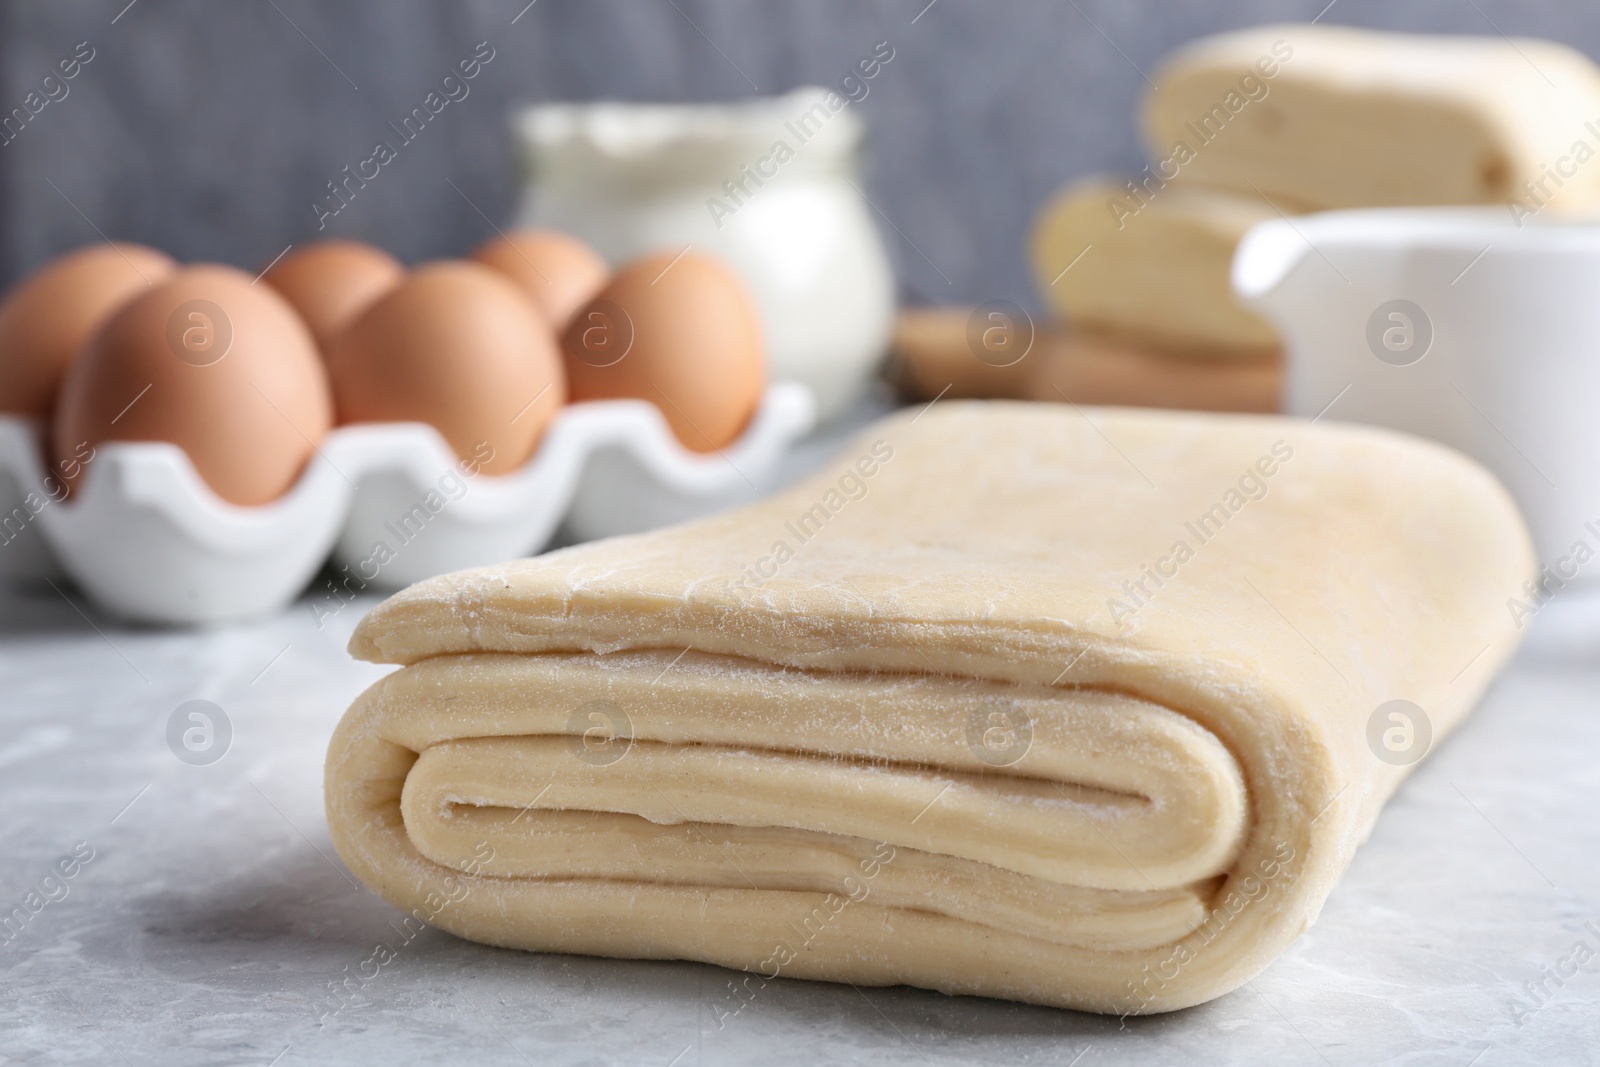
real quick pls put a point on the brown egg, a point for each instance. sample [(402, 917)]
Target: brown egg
[(222, 368), (46, 320), (561, 273), (460, 347), (332, 282), (680, 330)]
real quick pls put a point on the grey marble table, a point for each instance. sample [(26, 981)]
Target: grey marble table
[(207, 914)]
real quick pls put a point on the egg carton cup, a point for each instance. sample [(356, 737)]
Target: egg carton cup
[(148, 541)]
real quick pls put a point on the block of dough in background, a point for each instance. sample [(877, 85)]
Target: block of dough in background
[(1155, 270), (1319, 117)]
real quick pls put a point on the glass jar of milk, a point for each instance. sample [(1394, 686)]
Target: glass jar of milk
[(769, 185)]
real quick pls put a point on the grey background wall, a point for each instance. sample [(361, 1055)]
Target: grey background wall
[(209, 129)]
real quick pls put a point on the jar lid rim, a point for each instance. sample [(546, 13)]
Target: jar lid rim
[(625, 131)]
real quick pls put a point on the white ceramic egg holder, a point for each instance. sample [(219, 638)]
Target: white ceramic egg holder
[(148, 541)]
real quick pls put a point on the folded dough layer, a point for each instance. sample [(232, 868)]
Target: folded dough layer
[(978, 729)]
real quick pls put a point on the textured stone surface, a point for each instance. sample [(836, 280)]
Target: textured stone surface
[(214, 916)]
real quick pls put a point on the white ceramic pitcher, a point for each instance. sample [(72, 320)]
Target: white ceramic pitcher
[(1454, 324)]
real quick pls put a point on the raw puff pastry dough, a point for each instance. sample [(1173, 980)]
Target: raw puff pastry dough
[(836, 779), (1317, 116), (1152, 271)]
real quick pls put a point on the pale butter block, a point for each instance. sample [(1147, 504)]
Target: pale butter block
[(1319, 117), (1154, 266)]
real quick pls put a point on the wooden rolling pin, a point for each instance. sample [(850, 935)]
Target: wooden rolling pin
[(938, 350)]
